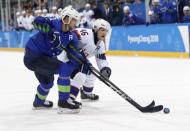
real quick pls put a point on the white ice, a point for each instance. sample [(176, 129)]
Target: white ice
[(167, 81)]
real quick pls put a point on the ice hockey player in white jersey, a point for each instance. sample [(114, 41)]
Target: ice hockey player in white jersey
[(93, 44)]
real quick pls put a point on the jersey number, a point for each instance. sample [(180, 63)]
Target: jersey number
[(84, 32)]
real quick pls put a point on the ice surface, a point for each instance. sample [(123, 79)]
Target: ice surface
[(167, 81)]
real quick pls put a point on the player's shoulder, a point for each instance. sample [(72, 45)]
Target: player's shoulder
[(101, 48), (101, 43), (55, 20), (56, 24), (84, 33)]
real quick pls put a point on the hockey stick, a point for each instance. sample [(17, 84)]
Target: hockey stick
[(147, 109)]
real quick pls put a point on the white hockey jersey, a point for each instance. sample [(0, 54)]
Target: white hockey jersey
[(90, 48), (19, 21)]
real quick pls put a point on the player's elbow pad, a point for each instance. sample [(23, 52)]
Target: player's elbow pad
[(42, 24)]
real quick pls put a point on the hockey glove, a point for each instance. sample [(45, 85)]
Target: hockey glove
[(42, 24), (86, 67), (106, 72)]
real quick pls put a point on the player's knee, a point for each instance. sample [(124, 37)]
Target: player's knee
[(89, 84), (64, 70), (46, 79), (90, 81), (29, 59), (78, 80), (28, 63), (47, 86)]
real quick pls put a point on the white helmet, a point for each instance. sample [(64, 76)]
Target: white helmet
[(101, 23), (39, 11), (150, 13), (23, 12), (90, 13), (70, 12), (17, 13), (44, 11), (59, 10), (185, 8), (87, 5), (126, 8), (156, 1), (54, 8)]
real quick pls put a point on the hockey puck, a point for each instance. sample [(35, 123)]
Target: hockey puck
[(166, 110)]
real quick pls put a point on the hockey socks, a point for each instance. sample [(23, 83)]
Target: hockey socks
[(40, 98), (74, 92), (63, 87)]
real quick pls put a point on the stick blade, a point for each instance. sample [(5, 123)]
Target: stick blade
[(152, 104), (153, 109)]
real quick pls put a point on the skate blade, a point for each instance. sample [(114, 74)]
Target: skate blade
[(41, 108), (67, 111), (89, 100), (80, 107)]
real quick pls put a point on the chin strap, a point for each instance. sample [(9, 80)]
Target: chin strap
[(65, 27)]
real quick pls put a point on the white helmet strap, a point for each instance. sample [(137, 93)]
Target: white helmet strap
[(63, 19)]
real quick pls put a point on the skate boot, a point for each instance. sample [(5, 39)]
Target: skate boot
[(76, 102), (68, 107), (88, 96), (46, 105)]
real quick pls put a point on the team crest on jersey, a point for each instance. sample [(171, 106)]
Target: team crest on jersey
[(70, 37)]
